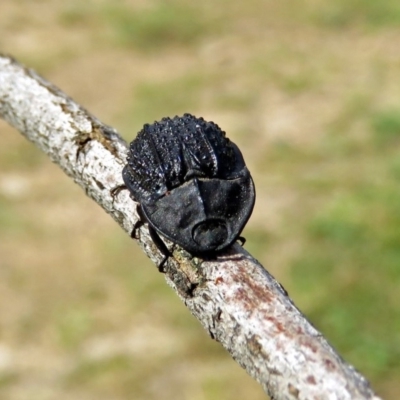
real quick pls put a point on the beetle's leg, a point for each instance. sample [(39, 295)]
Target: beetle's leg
[(241, 240), (135, 230), (116, 191), (139, 223), (160, 246), (154, 236)]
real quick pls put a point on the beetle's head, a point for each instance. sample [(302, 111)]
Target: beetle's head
[(210, 234)]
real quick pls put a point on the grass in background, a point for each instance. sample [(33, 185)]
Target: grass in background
[(152, 101), (342, 13), (161, 25), (146, 27), (386, 128)]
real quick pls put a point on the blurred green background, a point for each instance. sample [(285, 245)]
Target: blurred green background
[(310, 91)]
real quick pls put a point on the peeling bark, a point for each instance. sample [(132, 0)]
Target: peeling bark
[(235, 299)]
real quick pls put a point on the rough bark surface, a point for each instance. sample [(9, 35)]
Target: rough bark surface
[(236, 300)]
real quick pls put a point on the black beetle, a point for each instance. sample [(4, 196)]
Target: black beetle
[(191, 182)]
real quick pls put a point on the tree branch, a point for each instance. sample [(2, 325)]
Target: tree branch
[(236, 300)]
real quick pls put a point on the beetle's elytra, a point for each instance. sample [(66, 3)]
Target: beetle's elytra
[(191, 182)]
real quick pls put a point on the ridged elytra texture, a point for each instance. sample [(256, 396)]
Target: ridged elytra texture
[(191, 182)]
